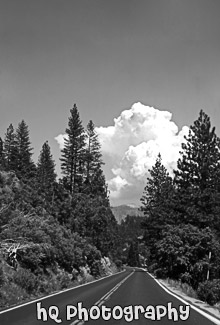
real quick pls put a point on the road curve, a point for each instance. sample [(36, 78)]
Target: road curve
[(131, 297)]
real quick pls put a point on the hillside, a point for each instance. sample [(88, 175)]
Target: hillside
[(120, 212)]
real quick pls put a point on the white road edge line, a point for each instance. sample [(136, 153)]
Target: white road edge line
[(104, 298), (57, 293), (211, 318)]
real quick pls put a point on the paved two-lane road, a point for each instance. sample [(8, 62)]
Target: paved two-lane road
[(125, 290)]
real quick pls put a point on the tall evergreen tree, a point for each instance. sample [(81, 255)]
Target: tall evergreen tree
[(25, 165), (46, 168), (156, 203), (95, 183), (93, 156), (10, 149), (197, 177), (72, 161), (98, 186), (159, 186)]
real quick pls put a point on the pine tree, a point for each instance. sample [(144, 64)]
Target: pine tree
[(10, 149), (25, 166), (159, 186), (46, 178), (197, 177), (72, 161), (46, 167), (200, 156), (95, 184), (98, 186), (93, 156), (157, 204)]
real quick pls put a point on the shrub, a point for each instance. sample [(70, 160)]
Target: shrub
[(12, 294), (47, 285), (209, 291), (160, 273), (26, 280), (118, 264), (152, 267), (186, 278), (64, 279), (85, 275)]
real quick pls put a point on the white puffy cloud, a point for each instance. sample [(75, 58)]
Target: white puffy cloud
[(60, 139), (117, 184), (130, 147)]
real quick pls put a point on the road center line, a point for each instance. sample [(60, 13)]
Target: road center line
[(104, 298)]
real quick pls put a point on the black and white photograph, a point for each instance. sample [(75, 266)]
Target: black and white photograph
[(109, 162)]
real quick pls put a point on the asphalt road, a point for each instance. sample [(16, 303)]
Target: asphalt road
[(130, 297)]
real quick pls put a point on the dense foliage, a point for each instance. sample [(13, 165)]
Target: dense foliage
[(53, 232), (131, 249), (182, 223)]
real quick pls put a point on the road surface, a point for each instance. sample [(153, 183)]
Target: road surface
[(130, 297)]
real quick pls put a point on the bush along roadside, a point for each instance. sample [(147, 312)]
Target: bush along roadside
[(209, 291), (22, 285)]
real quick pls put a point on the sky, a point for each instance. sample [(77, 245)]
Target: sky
[(140, 69)]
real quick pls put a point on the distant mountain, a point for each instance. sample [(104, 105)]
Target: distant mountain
[(122, 211)]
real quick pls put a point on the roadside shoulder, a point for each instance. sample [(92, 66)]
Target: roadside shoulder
[(213, 311)]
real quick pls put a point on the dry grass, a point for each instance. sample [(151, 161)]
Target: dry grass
[(183, 287)]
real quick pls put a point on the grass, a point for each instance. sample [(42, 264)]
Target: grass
[(183, 287)]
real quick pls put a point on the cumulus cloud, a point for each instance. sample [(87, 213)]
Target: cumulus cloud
[(60, 139), (130, 147)]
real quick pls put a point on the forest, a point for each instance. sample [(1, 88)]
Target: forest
[(53, 233), (182, 223), (56, 233)]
